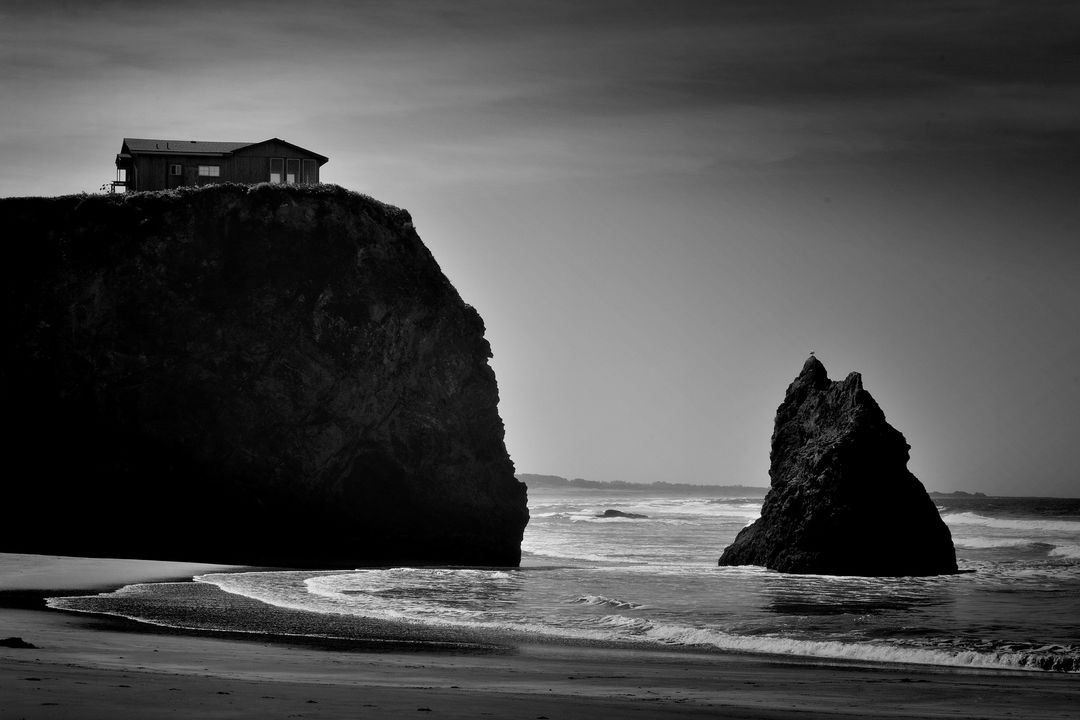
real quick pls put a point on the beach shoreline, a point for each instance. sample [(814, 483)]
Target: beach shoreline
[(90, 666)]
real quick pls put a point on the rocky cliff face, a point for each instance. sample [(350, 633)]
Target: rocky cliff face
[(841, 499), (262, 375)]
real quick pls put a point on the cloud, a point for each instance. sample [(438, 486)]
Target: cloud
[(606, 87)]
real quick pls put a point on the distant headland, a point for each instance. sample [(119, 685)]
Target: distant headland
[(957, 494), (556, 481)]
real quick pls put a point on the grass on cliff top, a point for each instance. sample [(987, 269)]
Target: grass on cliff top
[(320, 190)]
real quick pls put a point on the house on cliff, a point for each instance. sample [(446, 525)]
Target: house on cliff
[(164, 164)]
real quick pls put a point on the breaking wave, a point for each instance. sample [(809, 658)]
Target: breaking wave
[(606, 602), (1057, 658), (1066, 551)]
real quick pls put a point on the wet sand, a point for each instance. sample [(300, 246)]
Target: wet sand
[(84, 666)]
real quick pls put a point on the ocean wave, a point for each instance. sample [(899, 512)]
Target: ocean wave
[(1033, 525), (484, 600), (1066, 551), (1057, 659), (667, 512), (431, 597), (989, 543), (1053, 571), (606, 602), (627, 628), (613, 544), (589, 515), (283, 589), (738, 501), (696, 506), (451, 595), (663, 507), (561, 552)]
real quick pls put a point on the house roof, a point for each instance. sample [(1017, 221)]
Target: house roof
[(209, 148), (322, 158), (186, 147)]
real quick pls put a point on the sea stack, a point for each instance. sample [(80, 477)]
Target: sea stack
[(260, 375), (841, 499)]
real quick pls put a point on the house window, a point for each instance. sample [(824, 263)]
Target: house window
[(209, 171), (175, 170), (310, 172), (277, 169), (292, 171)]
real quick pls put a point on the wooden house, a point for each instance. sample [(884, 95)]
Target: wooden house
[(164, 164)]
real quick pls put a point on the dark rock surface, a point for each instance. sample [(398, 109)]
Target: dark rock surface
[(257, 375), (841, 500), (621, 514), (17, 642)]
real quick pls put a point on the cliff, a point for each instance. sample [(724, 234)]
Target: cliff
[(841, 500), (246, 374)]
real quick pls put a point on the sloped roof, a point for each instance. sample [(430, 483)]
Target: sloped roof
[(186, 147), (322, 158), (144, 146)]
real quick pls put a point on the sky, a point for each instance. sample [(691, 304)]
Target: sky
[(659, 209)]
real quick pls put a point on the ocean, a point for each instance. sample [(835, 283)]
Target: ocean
[(653, 582)]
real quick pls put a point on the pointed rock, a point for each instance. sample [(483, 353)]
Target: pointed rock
[(841, 499)]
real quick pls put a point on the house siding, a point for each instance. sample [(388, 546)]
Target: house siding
[(252, 163), (152, 171)]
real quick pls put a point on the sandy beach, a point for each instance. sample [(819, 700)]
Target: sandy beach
[(83, 666)]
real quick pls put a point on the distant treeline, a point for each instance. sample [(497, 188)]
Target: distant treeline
[(554, 481)]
